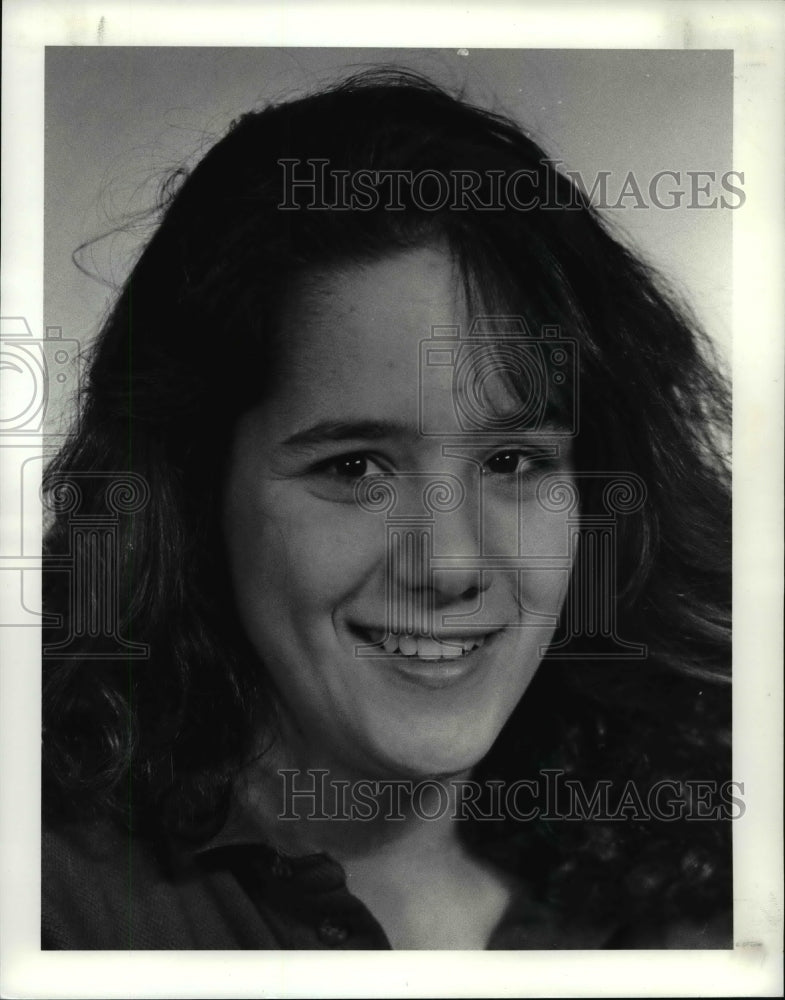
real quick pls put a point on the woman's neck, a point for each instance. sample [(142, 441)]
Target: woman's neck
[(350, 815), (399, 847)]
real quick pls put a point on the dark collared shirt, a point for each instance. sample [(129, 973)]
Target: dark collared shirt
[(103, 889)]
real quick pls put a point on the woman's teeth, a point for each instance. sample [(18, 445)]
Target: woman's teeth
[(427, 648)]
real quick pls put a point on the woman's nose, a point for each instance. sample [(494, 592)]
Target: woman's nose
[(433, 562), (454, 573)]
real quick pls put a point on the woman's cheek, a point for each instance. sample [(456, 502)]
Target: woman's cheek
[(546, 536), (324, 550)]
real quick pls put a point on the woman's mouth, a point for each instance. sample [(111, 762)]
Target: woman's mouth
[(426, 647), (413, 646), (423, 647), (427, 660)]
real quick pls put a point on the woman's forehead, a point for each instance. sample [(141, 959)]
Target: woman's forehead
[(390, 340), (371, 315)]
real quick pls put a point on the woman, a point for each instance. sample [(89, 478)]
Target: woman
[(417, 634)]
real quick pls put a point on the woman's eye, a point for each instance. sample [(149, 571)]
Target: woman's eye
[(351, 466), (506, 463)]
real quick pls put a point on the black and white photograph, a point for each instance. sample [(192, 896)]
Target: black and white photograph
[(373, 472)]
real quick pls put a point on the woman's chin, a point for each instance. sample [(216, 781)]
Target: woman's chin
[(430, 761)]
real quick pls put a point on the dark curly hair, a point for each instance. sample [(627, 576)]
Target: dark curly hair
[(191, 345)]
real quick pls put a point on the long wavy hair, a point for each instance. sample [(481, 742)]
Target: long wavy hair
[(191, 344)]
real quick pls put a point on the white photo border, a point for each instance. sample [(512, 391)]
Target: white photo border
[(756, 32)]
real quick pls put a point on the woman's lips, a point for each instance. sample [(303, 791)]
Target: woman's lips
[(434, 674), (427, 661)]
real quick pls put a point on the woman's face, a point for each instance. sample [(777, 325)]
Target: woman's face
[(319, 578)]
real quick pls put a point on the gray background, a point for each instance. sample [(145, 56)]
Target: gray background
[(119, 119)]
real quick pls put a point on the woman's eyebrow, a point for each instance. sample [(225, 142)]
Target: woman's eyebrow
[(341, 430)]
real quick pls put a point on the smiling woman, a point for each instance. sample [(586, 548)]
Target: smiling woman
[(354, 354), (419, 635)]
